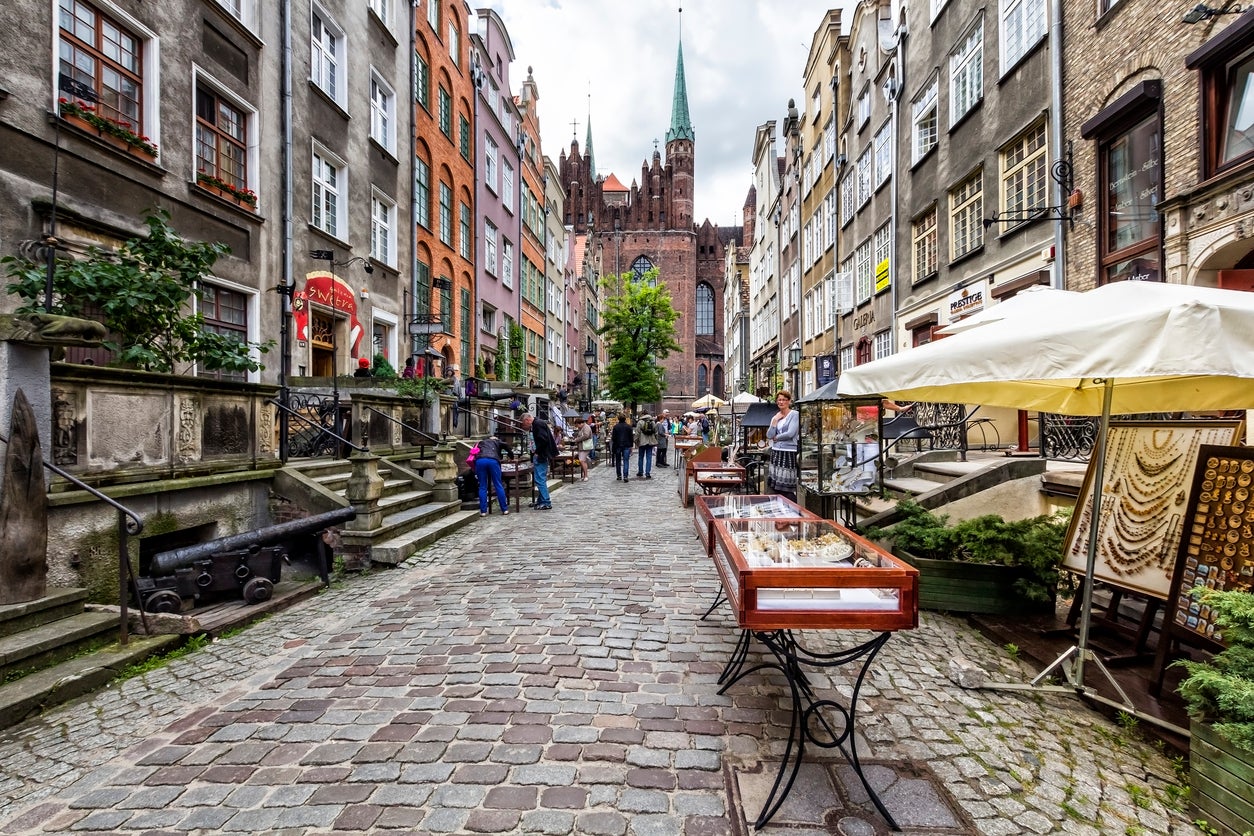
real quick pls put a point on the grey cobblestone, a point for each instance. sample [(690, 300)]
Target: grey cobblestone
[(591, 687)]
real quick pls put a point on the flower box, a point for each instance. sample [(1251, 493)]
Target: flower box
[(113, 133), (1220, 775), (236, 198), (954, 586)]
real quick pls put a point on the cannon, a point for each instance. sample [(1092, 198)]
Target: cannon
[(247, 565)]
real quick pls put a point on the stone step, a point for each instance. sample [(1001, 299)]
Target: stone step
[(397, 549), (57, 604), (400, 523), (912, 485), (75, 677), (48, 644), (403, 500)]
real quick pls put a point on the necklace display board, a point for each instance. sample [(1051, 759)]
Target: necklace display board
[(1144, 494)]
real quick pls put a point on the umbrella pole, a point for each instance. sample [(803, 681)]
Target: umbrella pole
[(1080, 651)]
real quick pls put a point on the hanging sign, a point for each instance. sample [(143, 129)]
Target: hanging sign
[(332, 292)]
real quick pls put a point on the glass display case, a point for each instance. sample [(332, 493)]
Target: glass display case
[(839, 443), (749, 507), (811, 574)]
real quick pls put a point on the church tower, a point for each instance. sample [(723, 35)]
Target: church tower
[(680, 152)]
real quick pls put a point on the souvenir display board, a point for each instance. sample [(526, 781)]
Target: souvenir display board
[(752, 507), (839, 445), (1215, 551), (811, 574), (1145, 491)]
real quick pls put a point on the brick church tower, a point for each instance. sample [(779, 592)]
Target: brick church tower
[(650, 224)]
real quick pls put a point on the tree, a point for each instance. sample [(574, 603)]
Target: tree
[(639, 326), (142, 293)]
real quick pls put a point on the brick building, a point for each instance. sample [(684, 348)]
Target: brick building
[(650, 224)]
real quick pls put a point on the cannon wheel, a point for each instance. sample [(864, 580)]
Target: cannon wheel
[(258, 590), (164, 600)]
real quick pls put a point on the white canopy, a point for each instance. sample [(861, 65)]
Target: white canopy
[(745, 397), (1166, 347)]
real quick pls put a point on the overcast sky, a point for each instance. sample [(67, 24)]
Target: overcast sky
[(743, 60)]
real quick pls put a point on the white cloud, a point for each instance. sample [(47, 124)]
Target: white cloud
[(743, 61)]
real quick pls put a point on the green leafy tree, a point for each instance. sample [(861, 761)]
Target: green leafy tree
[(142, 293), (639, 327), (515, 351)]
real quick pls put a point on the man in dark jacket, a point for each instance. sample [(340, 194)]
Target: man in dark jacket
[(621, 438), (546, 451)]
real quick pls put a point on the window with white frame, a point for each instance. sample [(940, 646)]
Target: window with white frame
[(224, 133), (490, 151), (863, 272), (433, 14), (830, 202), (862, 109), (966, 73), (507, 186), (883, 242), (883, 154), (507, 263), (383, 228), (966, 208), (113, 62), (1022, 27), (382, 8), (923, 244), (446, 213), (330, 194), (848, 191), (829, 139), (454, 44), (382, 112), (865, 165), (487, 318), (846, 357), (883, 343), (245, 11), (327, 60), (937, 7), (422, 81), (924, 124), (1023, 164), (489, 247)]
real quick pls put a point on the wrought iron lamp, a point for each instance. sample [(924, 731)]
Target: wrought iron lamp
[(590, 362), (1202, 12)]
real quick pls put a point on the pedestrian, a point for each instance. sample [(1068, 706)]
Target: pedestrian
[(595, 426), (408, 373), (646, 442), (583, 444), (785, 427), (363, 368), (487, 464), (663, 437), (545, 451), (620, 445)]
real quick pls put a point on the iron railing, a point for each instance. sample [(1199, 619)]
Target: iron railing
[(319, 426)]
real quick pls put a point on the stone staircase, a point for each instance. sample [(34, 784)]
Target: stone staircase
[(412, 516), (54, 649)]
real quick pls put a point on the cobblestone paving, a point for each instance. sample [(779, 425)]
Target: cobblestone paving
[(542, 673)]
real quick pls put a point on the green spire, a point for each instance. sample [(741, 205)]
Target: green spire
[(681, 125), (587, 147)]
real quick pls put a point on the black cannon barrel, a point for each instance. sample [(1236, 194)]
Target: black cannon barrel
[(164, 563)]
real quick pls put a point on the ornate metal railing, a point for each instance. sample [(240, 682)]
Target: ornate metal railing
[(946, 423), (1068, 438), (319, 426)]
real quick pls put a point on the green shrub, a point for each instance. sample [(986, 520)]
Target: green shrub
[(1035, 544), (1221, 691)]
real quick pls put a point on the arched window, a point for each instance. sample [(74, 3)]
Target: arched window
[(639, 267), (702, 380), (705, 310), (718, 381)]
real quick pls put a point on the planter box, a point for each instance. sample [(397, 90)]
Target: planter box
[(1221, 775), (952, 586)]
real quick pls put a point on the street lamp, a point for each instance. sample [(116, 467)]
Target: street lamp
[(590, 362), (794, 362)]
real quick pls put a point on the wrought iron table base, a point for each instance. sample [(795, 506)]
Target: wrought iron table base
[(809, 723)]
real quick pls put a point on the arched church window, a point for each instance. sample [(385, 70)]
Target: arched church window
[(702, 380), (639, 267), (705, 310)]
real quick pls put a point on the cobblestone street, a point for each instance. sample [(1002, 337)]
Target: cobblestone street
[(549, 673)]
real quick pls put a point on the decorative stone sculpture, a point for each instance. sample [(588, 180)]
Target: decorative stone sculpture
[(23, 511)]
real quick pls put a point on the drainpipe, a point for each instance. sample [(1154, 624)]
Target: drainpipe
[(413, 182), (1055, 140), (285, 289)]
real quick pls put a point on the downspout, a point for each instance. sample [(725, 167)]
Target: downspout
[(893, 111), (286, 288), (1055, 106), (413, 180)]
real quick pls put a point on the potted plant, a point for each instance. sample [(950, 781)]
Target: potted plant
[(982, 565), (1220, 697)]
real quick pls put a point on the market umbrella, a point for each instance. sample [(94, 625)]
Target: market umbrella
[(1123, 348), (708, 401)]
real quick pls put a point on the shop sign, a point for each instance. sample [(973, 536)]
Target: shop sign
[(331, 292), (826, 368), (967, 301), (881, 276)]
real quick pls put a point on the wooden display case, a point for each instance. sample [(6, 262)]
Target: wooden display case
[(709, 459), (811, 574), (756, 506), (839, 444)]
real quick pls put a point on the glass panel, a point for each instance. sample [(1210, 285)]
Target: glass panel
[(1238, 138), (1132, 177)]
